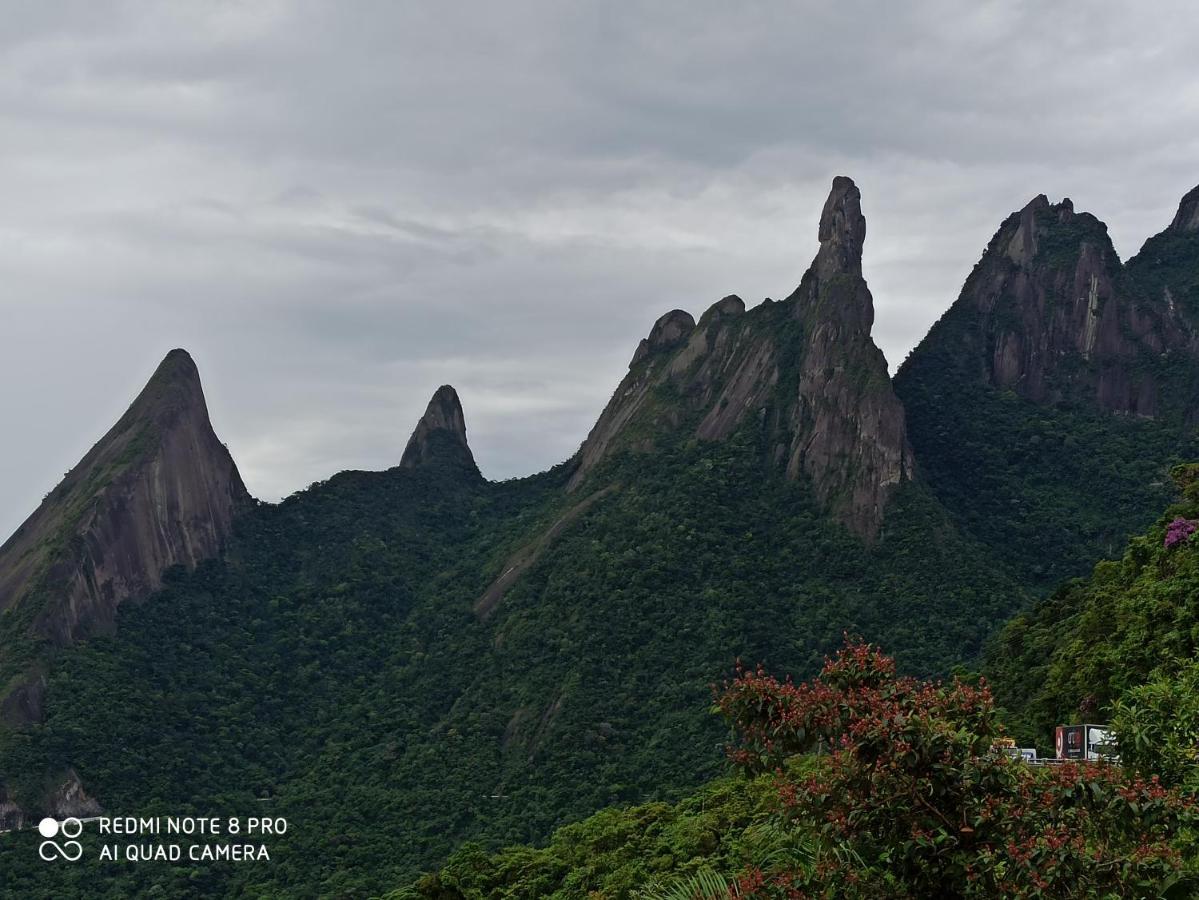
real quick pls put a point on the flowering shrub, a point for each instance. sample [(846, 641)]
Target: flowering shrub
[(1179, 531), (913, 800)]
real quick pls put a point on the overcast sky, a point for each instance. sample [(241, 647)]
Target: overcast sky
[(338, 206)]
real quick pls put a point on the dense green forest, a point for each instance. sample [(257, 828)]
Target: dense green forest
[(621, 851), (870, 784), (1135, 619), (332, 669), (1118, 646), (419, 665), (1050, 488)]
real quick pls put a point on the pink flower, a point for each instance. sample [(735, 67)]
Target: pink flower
[(1179, 531)]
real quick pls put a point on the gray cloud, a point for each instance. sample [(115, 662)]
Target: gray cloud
[(337, 207)]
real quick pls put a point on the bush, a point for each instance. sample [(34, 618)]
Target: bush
[(1157, 727), (914, 800)]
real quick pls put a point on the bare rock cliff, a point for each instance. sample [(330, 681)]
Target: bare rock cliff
[(1051, 313), (158, 490), (805, 370), (849, 436)]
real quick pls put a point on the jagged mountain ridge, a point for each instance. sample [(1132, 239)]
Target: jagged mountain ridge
[(351, 639), (850, 442), (1051, 314), (806, 368), (1047, 404)]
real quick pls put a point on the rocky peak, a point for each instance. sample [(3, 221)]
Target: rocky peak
[(732, 305), (833, 293), (1021, 245), (174, 388), (440, 433), (805, 370), (1187, 218), (669, 331), (842, 231), (849, 437), (1052, 314), (158, 490), (667, 335)]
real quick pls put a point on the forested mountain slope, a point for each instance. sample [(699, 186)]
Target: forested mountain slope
[(159, 489), (335, 663), (1047, 404), (401, 661), (1092, 640)]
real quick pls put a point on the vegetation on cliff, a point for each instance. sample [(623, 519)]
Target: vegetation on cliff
[(418, 664), (867, 785), (1135, 620), (1048, 404), (334, 662)]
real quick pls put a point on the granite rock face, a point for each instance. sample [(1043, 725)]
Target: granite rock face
[(1187, 218), (440, 434), (805, 370), (1051, 313), (849, 436), (158, 490), (70, 799)]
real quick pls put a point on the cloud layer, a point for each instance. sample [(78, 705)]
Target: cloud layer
[(337, 207)]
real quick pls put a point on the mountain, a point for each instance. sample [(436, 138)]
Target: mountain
[(1166, 268), (1046, 406), (1051, 314), (413, 658), (158, 490), (806, 369), (399, 662), (440, 433)]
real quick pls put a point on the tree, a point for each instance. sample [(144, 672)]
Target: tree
[(913, 799), (1157, 726)]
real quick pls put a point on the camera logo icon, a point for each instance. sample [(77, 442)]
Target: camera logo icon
[(70, 849)]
